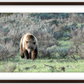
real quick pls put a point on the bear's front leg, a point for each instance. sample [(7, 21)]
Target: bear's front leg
[(33, 55), (36, 52), (22, 55), (26, 54), (21, 51)]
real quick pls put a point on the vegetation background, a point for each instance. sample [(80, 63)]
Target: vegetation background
[(60, 37)]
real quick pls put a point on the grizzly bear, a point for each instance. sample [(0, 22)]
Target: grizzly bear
[(29, 46)]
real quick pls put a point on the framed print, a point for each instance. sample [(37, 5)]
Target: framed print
[(41, 42)]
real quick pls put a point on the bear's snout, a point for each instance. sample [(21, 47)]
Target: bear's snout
[(29, 51)]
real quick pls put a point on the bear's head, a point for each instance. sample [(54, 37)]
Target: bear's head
[(30, 43)]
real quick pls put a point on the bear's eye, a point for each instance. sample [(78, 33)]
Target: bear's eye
[(26, 41), (34, 42)]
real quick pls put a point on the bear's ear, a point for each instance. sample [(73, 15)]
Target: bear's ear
[(34, 42)]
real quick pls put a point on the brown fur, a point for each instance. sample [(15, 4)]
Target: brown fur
[(28, 46)]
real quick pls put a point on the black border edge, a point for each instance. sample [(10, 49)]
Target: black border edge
[(41, 81), (41, 3)]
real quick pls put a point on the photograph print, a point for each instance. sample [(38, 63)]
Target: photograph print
[(41, 42)]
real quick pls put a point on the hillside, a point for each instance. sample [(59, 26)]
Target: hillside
[(60, 38)]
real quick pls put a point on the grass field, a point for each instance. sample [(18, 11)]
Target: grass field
[(41, 65), (16, 64)]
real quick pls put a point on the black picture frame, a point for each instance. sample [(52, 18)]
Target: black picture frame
[(41, 3), (41, 81)]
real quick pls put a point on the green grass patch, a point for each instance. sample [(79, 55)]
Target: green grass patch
[(41, 65)]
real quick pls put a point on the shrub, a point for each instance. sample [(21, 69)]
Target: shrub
[(63, 52), (77, 18), (67, 35), (6, 30), (78, 40)]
